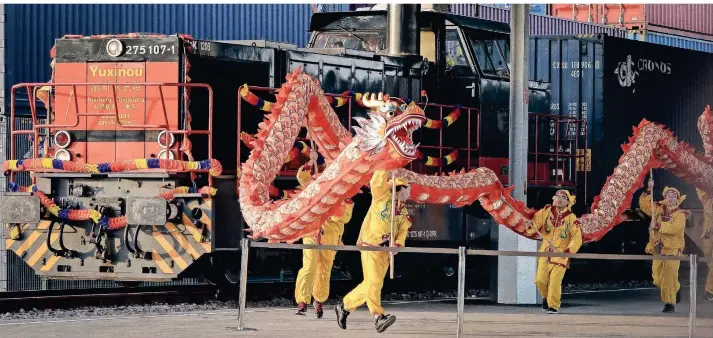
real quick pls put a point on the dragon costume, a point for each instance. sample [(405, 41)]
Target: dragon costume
[(385, 142)]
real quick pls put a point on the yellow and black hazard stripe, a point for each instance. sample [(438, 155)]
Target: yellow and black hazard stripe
[(32, 245), (177, 246)]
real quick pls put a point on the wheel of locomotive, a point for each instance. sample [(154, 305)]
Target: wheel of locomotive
[(220, 274)]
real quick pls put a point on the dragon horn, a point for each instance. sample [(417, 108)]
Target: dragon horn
[(370, 101)]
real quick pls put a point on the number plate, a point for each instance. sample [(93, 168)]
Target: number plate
[(146, 210), (19, 209)]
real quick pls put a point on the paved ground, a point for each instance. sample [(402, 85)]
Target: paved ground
[(632, 313)]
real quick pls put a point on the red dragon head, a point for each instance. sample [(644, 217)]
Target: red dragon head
[(390, 126)]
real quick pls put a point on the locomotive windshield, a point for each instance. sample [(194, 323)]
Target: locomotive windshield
[(491, 54), (364, 41)]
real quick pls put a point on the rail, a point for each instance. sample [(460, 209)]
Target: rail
[(165, 126), (462, 252), (74, 298)]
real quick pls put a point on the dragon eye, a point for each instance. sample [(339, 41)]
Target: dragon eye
[(390, 113)]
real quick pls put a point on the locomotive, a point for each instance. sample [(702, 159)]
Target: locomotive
[(172, 109)]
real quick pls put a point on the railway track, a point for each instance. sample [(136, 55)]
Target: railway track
[(76, 298)]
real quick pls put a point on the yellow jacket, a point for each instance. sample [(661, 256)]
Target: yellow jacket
[(333, 228), (376, 228), (669, 227), (707, 202), (561, 229)]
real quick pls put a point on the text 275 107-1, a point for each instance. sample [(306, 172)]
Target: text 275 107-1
[(151, 50)]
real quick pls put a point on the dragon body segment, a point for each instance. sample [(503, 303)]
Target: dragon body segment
[(380, 142)]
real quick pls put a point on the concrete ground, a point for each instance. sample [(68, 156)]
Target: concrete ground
[(628, 313)]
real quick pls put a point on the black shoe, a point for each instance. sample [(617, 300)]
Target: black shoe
[(668, 308), (301, 309), (342, 314), (678, 296), (318, 310), (544, 304), (551, 311), (383, 321)]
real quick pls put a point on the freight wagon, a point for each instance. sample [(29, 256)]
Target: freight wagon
[(125, 97)]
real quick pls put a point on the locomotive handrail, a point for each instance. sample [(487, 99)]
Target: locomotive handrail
[(557, 154), (32, 86)]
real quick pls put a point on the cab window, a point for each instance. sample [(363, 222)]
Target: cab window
[(492, 54), (455, 55), (364, 41)]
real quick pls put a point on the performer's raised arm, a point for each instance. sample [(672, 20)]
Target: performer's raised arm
[(348, 206), (538, 221), (303, 176), (378, 184), (645, 201)]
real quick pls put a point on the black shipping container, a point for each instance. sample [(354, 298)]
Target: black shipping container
[(613, 84)]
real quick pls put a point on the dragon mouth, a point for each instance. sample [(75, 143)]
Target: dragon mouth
[(400, 135)]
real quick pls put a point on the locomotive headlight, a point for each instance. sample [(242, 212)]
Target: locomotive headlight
[(114, 48), (62, 139), (62, 154), (166, 154), (166, 139)]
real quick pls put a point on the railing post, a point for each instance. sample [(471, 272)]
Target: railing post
[(461, 289), (694, 286), (244, 253)]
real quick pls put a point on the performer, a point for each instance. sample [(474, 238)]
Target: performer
[(707, 238), (666, 238), (560, 232), (376, 231), (313, 278)]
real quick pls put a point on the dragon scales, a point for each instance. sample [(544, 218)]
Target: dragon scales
[(384, 142)]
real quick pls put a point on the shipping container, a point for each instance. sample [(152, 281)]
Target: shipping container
[(672, 40), (30, 30), (539, 24), (613, 84), (693, 19), (2, 59), (470, 9)]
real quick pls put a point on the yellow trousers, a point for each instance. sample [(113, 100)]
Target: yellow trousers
[(374, 264), (708, 251), (665, 274), (313, 278), (549, 281)]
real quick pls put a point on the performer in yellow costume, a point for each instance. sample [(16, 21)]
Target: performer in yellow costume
[(666, 238), (560, 233), (313, 278), (376, 231), (707, 238)]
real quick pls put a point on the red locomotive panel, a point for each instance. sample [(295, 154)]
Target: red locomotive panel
[(102, 138)]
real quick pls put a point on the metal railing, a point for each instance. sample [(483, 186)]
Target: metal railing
[(79, 114), (462, 252)]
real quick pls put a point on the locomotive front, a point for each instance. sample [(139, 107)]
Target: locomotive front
[(115, 192)]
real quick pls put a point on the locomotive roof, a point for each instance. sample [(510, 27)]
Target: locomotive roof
[(376, 20)]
